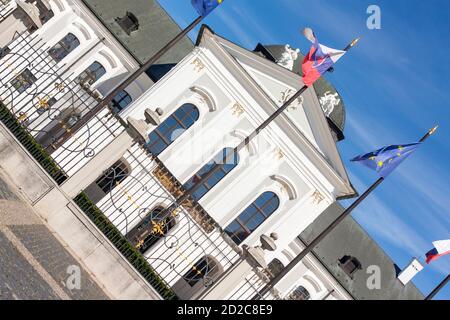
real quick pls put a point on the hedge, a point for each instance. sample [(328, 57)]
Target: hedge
[(34, 148), (124, 246)]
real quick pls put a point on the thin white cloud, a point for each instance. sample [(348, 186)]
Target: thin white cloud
[(235, 27), (385, 223), (253, 23)]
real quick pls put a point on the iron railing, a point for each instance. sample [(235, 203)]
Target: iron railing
[(184, 247), (5, 8), (30, 144), (47, 100), (251, 286), (180, 252)]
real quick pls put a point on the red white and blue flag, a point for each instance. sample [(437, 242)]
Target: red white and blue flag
[(441, 247), (319, 59)]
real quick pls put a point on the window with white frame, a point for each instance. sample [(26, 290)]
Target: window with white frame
[(253, 216), (91, 74), (274, 268), (63, 47), (156, 225), (120, 101), (171, 128), (299, 293), (226, 160)]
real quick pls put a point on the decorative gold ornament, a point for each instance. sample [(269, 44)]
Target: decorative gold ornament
[(158, 227), (237, 109), (198, 65), (317, 197), (60, 86), (23, 116), (139, 244), (279, 153)]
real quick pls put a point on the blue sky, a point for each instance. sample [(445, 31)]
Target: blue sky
[(395, 85)]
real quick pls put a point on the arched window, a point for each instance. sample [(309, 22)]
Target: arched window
[(92, 73), (156, 225), (120, 101), (274, 268), (226, 159), (252, 217), (65, 46), (171, 128), (300, 293), (350, 265), (204, 269), (113, 176)]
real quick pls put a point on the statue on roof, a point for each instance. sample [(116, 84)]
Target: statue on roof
[(288, 57), (329, 101)]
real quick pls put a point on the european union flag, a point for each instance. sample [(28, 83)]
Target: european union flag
[(386, 159), (204, 7)]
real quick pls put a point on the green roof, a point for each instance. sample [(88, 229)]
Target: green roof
[(350, 239), (156, 28)]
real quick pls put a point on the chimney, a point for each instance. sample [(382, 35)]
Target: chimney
[(410, 271)]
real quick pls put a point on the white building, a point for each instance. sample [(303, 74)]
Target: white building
[(213, 99), (52, 74), (58, 61)]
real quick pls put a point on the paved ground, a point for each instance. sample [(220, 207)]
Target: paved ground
[(33, 263)]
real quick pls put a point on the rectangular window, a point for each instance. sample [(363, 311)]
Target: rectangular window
[(46, 104), (23, 81)]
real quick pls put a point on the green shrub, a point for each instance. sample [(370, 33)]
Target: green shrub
[(124, 246), (34, 148)]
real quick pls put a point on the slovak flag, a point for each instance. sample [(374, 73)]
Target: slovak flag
[(441, 247), (319, 59)]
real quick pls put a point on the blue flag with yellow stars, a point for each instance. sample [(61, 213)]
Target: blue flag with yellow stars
[(386, 159), (204, 7)]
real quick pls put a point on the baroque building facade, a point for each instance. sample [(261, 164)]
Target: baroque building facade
[(159, 164)]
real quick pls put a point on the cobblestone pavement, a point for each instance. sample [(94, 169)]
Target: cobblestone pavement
[(33, 262)]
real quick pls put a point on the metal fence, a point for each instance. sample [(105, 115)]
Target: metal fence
[(5, 8), (251, 286), (47, 100), (184, 249)]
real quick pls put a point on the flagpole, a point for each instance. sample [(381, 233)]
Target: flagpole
[(438, 288), (242, 144), (89, 115), (327, 231)]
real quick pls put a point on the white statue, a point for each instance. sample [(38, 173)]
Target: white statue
[(286, 95), (288, 57), (328, 101)]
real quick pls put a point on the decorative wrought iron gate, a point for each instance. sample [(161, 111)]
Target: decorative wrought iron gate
[(180, 252), (46, 100), (187, 250)]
